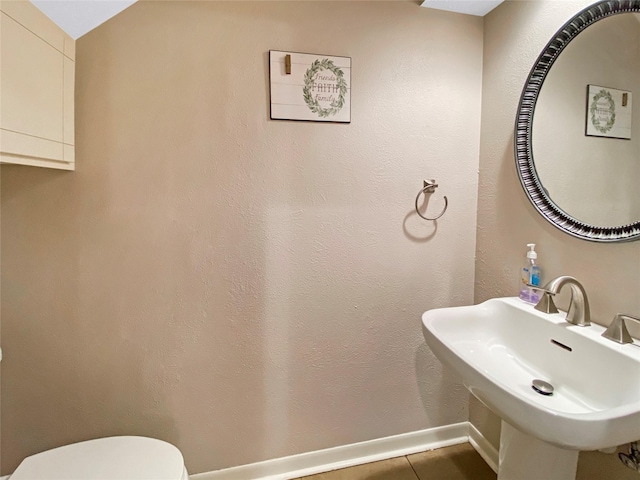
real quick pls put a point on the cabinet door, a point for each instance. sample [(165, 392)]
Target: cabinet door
[(33, 122)]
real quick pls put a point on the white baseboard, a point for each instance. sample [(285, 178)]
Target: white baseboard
[(310, 463), (487, 451)]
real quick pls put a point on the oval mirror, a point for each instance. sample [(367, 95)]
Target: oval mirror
[(577, 134)]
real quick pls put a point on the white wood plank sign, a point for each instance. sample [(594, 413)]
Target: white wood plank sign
[(608, 112), (317, 89)]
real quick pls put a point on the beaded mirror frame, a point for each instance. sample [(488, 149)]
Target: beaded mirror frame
[(524, 123)]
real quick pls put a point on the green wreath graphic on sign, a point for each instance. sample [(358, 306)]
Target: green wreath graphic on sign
[(309, 82), (593, 110)]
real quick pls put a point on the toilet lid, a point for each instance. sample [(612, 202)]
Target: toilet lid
[(111, 458)]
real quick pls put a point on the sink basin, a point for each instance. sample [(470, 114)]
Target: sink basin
[(500, 346)]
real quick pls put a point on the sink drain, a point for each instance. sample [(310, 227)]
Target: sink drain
[(542, 387)]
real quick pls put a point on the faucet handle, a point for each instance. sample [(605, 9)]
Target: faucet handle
[(540, 289), (617, 331), (546, 304)]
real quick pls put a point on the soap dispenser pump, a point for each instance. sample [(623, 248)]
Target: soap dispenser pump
[(530, 275)]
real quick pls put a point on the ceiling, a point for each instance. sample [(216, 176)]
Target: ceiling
[(471, 7), (77, 17)]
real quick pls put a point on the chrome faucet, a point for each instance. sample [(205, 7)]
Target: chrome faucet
[(578, 313), (617, 331)]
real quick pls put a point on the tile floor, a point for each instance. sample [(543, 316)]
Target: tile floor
[(460, 462)]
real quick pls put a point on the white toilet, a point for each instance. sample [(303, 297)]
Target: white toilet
[(111, 458)]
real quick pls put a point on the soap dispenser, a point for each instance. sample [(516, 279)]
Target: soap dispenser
[(530, 275)]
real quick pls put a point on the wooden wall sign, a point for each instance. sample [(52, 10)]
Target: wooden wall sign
[(608, 112), (318, 87)]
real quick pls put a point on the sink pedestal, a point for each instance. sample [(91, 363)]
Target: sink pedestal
[(523, 457)]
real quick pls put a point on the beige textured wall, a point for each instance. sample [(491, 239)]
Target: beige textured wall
[(243, 288), (515, 33)]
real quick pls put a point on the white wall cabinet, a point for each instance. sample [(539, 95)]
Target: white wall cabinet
[(37, 71)]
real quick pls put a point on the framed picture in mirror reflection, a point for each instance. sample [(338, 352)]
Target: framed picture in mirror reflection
[(609, 112)]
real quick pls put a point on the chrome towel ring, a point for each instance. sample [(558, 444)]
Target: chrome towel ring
[(429, 187)]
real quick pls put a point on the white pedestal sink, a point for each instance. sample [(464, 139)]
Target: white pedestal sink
[(500, 346)]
